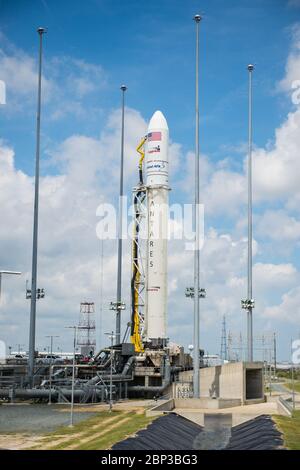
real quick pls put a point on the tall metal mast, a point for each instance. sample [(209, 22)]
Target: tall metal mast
[(119, 305), (101, 296), (31, 361), (249, 292), (248, 304), (196, 385)]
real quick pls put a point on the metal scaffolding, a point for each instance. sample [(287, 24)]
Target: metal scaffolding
[(139, 266), (86, 338)]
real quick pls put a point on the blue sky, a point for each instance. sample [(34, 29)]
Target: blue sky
[(150, 46), (91, 48)]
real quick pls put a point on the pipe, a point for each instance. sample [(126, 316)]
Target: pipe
[(27, 393), (144, 388), (121, 376), (129, 363)]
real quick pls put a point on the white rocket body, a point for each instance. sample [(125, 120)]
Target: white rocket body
[(157, 182)]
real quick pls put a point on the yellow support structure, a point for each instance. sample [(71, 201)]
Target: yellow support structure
[(141, 151), (136, 337)]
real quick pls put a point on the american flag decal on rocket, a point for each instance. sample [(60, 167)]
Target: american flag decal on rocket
[(154, 136)]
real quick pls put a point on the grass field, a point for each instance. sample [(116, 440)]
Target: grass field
[(290, 427), (290, 386), (99, 432)]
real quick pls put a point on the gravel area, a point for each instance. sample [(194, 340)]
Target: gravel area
[(37, 419)]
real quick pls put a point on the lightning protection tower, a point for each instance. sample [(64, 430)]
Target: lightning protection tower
[(223, 353), (87, 329)]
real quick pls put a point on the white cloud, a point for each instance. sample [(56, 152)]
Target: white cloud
[(275, 171), (288, 309), (66, 83), (278, 225), (275, 167), (19, 71), (68, 247), (69, 250), (292, 68), (275, 174), (274, 276), (224, 193)]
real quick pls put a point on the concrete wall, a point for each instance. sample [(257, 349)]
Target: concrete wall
[(222, 381), (165, 406), (207, 403), (186, 376), (235, 380)]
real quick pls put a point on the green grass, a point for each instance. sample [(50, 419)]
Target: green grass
[(135, 422), (125, 430), (84, 425), (289, 385), (290, 428)]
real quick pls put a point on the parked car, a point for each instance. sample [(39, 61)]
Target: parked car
[(50, 359)]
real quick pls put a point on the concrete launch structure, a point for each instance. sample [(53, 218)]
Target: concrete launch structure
[(157, 182)]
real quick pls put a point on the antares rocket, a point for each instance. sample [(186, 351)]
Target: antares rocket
[(149, 260), (157, 183)]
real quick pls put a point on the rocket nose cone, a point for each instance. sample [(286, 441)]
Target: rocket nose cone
[(158, 121)]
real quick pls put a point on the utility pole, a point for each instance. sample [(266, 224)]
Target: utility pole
[(293, 377), (223, 352), (248, 303), (19, 347), (196, 375), (111, 337), (119, 303), (31, 359), (50, 366), (74, 328), (275, 353), (101, 296)]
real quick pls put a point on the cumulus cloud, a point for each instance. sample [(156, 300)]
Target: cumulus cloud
[(275, 167), (67, 82), (275, 174), (288, 309), (292, 69), (68, 246), (274, 276), (275, 171), (19, 72), (279, 226), (69, 252)]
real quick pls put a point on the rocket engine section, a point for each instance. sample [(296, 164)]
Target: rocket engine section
[(157, 183)]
